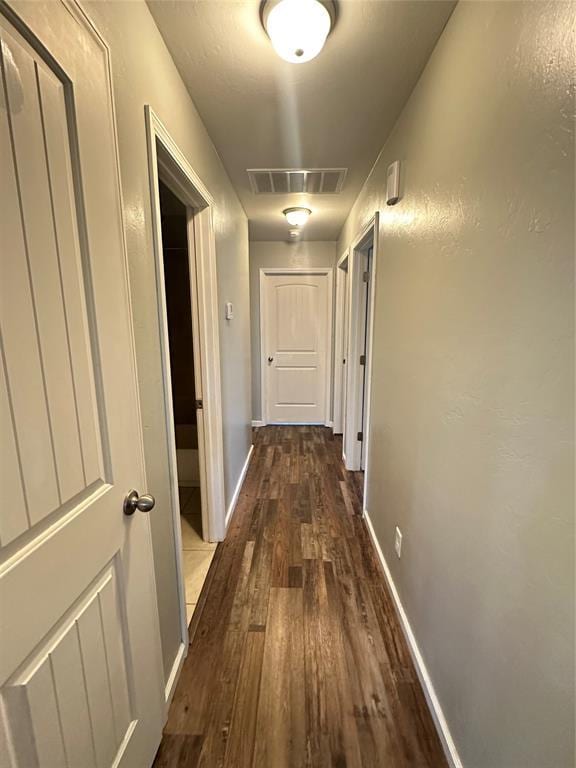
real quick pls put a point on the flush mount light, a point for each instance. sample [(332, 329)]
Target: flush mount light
[(297, 217), (298, 28)]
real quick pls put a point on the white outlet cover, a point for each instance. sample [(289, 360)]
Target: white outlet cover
[(398, 542)]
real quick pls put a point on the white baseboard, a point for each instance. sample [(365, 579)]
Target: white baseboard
[(436, 710), (258, 423), (329, 424), (237, 490), (174, 675)]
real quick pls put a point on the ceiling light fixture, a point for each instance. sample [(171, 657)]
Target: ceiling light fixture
[(298, 28), (297, 217)]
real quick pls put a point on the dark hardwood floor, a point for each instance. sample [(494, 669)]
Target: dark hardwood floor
[(297, 657)]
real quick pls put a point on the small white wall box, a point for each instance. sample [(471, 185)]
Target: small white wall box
[(229, 310), (393, 183), (398, 541)]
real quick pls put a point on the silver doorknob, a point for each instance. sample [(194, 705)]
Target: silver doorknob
[(134, 501)]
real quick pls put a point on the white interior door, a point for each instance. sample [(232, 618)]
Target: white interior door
[(80, 668), (340, 345), (361, 301), (366, 362), (296, 333)]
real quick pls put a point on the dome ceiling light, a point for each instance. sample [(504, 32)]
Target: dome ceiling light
[(298, 28), (297, 217)]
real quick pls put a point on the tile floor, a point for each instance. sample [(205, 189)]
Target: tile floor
[(198, 553)]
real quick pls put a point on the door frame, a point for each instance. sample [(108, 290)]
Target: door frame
[(340, 343), (329, 273), (167, 162), (352, 449)]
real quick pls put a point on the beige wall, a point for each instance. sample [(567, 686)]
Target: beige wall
[(473, 409), (144, 73), (278, 254)]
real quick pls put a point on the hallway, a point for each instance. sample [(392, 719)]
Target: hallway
[(287, 378), (297, 657)]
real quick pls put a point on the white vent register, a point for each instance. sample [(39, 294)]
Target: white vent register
[(309, 181)]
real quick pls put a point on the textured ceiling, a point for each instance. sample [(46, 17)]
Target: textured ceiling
[(334, 111)]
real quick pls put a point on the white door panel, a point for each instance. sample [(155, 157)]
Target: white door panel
[(80, 671), (70, 702), (296, 384), (296, 332)]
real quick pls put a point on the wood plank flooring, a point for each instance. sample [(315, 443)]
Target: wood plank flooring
[(297, 659)]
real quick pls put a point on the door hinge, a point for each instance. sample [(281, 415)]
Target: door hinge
[(199, 405), (362, 359), (366, 277), (343, 361), (360, 436)]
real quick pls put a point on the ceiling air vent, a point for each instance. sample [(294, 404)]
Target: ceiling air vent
[(284, 181)]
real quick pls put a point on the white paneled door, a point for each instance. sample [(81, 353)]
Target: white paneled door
[(296, 341), (80, 671)]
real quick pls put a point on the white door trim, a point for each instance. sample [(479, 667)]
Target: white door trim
[(166, 159), (339, 352), (354, 373), (329, 272)]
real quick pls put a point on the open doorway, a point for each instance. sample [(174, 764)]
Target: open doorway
[(182, 216), (361, 264), (197, 551)]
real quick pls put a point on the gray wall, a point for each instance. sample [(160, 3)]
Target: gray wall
[(144, 73), (278, 254), (473, 406)]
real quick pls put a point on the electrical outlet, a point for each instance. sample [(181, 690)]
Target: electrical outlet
[(398, 542)]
